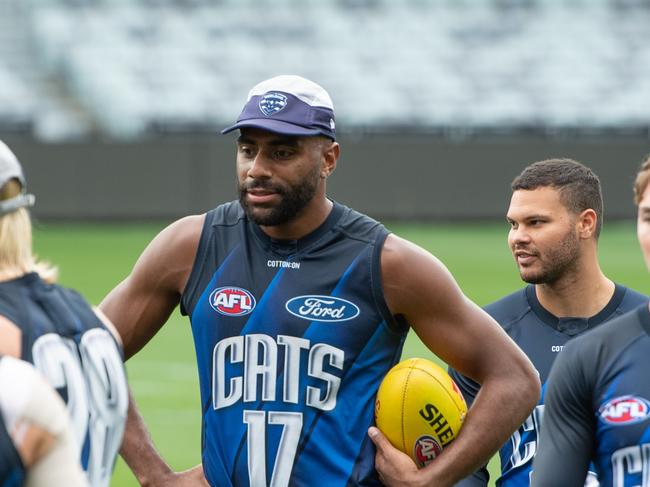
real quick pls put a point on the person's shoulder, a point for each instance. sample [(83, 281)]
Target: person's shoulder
[(632, 320), (351, 214), (183, 231), (402, 253), (510, 307), (612, 334), (632, 298), (226, 214), (405, 267), (175, 245), (357, 224)]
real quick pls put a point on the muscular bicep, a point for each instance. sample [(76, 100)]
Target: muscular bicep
[(419, 287), (467, 386), (108, 324), (142, 303)]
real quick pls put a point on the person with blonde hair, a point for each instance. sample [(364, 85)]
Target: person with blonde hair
[(16, 257), (73, 345)]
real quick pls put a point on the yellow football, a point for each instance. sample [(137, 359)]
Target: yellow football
[(419, 408)]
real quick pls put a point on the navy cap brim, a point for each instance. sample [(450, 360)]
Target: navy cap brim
[(275, 126)]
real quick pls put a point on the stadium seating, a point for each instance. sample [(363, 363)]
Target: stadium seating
[(127, 67)]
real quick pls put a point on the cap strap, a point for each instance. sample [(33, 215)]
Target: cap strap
[(21, 201)]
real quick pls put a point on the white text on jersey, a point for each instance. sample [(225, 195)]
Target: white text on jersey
[(631, 460), (259, 355), (283, 264)]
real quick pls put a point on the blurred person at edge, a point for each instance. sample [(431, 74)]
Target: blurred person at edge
[(299, 306), (598, 394), (37, 448), (555, 218), (73, 345)]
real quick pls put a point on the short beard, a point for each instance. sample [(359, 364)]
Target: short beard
[(561, 260), (294, 199)]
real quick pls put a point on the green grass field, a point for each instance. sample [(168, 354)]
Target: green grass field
[(94, 257)]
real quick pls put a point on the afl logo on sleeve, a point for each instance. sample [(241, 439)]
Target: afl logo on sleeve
[(232, 301), (624, 410), (322, 308)]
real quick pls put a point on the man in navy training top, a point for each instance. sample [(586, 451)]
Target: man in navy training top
[(598, 394), (299, 306), (555, 218)]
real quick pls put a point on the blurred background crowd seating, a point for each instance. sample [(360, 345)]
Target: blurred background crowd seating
[(123, 69)]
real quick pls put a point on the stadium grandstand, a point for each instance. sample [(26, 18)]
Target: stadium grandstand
[(122, 69)]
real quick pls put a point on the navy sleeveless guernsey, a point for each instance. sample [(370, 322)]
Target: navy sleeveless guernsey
[(79, 357), (292, 340)]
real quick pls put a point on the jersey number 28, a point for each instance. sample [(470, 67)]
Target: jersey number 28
[(93, 375)]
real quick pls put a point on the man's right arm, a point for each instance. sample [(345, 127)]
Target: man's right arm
[(138, 307), (141, 304), (418, 287), (470, 388)]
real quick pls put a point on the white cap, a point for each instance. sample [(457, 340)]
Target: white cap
[(10, 169), (289, 105), (302, 88)]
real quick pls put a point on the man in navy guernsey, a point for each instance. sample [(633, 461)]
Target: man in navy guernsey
[(598, 394), (555, 218), (299, 306), (75, 348)]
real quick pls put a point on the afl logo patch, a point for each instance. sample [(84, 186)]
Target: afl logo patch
[(322, 308), (232, 301), (272, 103), (426, 449), (624, 410)]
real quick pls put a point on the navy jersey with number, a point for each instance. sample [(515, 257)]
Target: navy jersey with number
[(79, 357), (292, 340), (12, 470), (541, 336), (598, 408)]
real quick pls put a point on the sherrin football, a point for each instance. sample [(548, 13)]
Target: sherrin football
[(419, 408)]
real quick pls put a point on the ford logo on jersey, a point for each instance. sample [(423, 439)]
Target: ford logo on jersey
[(272, 103), (322, 308), (625, 410), (232, 301)]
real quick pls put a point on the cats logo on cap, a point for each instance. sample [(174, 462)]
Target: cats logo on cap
[(272, 103)]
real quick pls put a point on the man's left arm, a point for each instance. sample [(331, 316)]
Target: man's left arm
[(420, 288), (567, 434)]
